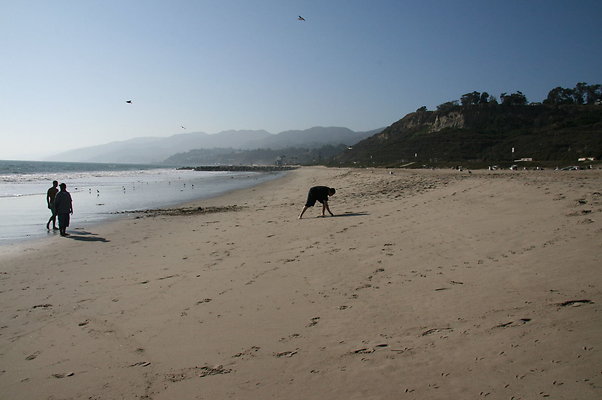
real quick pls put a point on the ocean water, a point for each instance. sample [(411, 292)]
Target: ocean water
[(101, 192)]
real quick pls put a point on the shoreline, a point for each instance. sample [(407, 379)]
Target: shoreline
[(88, 215), (241, 168), (426, 285)]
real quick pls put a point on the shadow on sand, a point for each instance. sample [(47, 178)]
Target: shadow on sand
[(84, 236), (350, 214)]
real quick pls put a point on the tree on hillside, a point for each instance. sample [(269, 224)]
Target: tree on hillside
[(514, 99), (582, 93), (474, 98), (470, 99), (560, 95), (593, 94), (485, 98), (447, 106)]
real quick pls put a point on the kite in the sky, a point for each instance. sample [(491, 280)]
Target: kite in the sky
[(182, 127), (129, 101), (300, 18)]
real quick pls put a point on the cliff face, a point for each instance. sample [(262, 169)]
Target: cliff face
[(484, 133), (451, 120), (429, 122)]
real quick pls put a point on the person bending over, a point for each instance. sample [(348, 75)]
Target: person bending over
[(321, 194)]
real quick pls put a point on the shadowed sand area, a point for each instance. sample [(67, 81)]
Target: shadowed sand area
[(434, 285)]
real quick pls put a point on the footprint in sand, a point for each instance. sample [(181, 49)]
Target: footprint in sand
[(521, 321), (217, 370), (574, 303), (61, 375), (368, 350), (250, 352), (435, 330), (33, 356), (285, 354)]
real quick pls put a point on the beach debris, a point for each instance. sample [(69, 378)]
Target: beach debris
[(574, 303), (84, 323), (42, 306), (207, 300), (167, 277), (217, 370), (182, 211), (140, 364), (314, 322)]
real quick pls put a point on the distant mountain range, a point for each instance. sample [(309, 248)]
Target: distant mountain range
[(152, 150)]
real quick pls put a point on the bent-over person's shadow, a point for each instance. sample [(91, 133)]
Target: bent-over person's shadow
[(351, 214), (85, 236)]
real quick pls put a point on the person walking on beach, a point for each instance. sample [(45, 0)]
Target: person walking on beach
[(321, 194), (50, 195), (64, 208)]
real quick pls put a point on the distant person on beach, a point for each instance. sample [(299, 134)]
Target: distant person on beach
[(50, 195), (321, 194), (64, 208)]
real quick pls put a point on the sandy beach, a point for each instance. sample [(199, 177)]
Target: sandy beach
[(425, 285)]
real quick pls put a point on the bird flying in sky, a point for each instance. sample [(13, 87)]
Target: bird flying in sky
[(129, 101), (182, 127), (300, 18)]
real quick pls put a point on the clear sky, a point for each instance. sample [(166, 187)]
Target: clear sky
[(67, 68)]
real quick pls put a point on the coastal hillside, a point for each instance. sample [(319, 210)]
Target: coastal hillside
[(484, 132), (230, 156)]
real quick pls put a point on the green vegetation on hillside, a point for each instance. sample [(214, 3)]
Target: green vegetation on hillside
[(479, 129)]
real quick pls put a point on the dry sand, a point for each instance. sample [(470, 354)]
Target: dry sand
[(426, 285)]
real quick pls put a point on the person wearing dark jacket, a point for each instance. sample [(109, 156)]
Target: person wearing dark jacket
[(64, 208), (321, 194)]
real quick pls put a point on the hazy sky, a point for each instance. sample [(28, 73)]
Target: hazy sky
[(68, 67)]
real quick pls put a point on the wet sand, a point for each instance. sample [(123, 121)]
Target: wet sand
[(425, 285)]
